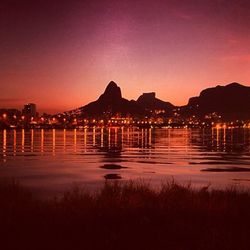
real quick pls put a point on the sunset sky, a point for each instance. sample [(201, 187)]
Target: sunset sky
[(61, 54)]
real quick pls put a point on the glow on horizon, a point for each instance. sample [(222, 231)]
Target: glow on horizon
[(62, 55)]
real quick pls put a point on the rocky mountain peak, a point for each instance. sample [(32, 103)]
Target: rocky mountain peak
[(112, 91)]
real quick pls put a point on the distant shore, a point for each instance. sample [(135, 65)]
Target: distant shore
[(127, 215), (139, 126)]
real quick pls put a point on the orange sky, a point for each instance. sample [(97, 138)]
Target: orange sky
[(61, 55)]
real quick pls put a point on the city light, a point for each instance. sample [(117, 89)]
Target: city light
[(29, 118)]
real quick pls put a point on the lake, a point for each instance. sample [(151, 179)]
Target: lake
[(51, 160)]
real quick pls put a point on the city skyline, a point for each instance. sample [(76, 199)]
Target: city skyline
[(61, 55)]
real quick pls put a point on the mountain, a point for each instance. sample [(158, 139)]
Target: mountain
[(231, 102), (111, 103), (149, 102)]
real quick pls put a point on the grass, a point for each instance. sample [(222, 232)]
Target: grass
[(130, 215)]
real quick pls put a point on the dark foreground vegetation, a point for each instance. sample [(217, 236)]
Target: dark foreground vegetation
[(131, 215)]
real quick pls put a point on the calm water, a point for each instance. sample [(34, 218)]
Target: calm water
[(53, 159)]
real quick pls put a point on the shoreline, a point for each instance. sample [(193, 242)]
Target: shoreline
[(153, 126), (128, 215)]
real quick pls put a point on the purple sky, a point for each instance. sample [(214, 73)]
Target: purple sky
[(62, 54)]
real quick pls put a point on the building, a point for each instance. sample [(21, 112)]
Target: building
[(30, 110)]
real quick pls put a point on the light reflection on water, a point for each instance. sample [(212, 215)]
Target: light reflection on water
[(54, 158)]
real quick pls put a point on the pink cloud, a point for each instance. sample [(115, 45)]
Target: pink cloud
[(242, 58)]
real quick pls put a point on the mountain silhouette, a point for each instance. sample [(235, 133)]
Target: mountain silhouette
[(111, 93), (150, 102), (231, 102), (111, 103)]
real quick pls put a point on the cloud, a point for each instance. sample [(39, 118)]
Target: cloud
[(182, 15), (241, 58), (10, 100), (233, 41)]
